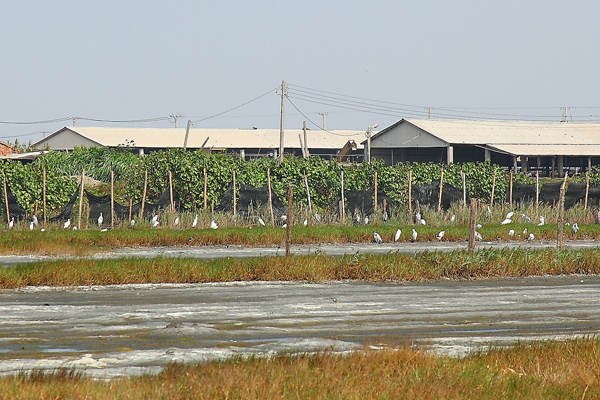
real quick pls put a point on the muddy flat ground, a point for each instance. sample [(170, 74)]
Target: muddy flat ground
[(132, 329)]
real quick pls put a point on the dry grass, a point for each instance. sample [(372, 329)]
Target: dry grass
[(542, 370), (314, 268)]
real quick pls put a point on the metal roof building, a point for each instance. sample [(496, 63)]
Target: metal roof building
[(544, 145), (246, 142)]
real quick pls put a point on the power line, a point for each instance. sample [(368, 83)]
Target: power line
[(236, 107)]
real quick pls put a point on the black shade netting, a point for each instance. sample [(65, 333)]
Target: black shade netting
[(14, 208), (574, 194), (249, 200), (428, 195), (521, 193), (361, 201), (66, 212), (101, 204), (550, 193), (594, 196)]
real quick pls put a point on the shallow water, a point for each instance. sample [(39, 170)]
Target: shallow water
[(132, 329)]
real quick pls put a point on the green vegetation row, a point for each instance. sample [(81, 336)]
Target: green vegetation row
[(539, 370), (187, 169), (395, 267)]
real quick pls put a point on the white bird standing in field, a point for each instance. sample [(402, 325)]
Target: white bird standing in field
[(377, 238), (423, 221), (525, 231), (155, 222), (511, 233), (574, 229), (75, 228), (414, 235), (67, 224), (530, 237), (261, 222), (195, 222), (526, 218), (31, 225), (397, 235), (11, 223), (283, 226), (34, 219), (509, 215), (100, 220), (453, 218), (506, 221), (132, 223), (418, 217), (213, 224), (440, 235), (154, 219), (305, 222), (366, 220), (176, 221), (488, 212), (542, 221), (478, 236)]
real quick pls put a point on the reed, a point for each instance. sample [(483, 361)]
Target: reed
[(540, 370), (394, 267)]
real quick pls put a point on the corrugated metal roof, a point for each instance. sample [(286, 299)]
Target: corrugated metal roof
[(514, 137), (218, 138), (510, 132)]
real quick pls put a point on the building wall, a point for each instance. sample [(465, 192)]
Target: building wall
[(406, 135)]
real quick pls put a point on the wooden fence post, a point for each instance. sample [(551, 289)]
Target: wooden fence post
[(587, 189), (510, 190), (464, 187), (410, 192), (288, 228), (308, 193), (6, 197), (472, 225), (81, 199), (342, 196), (205, 189), (537, 189), (493, 189), (561, 215), (375, 194), (144, 194), (112, 199), (270, 196), (234, 196), (441, 189), (171, 191), (44, 195)]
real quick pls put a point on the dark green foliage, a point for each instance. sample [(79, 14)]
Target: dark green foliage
[(187, 169)]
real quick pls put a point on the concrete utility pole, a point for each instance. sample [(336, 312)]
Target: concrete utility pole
[(369, 133), (566, 114), (175, 119), (281, 124), (324, 115), (187, 134)]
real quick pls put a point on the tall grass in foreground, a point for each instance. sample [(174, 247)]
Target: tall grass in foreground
[(540, 370), (310, 268)]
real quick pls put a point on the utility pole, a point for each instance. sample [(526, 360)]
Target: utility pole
[(187, 134), (369, 133), (74, 119), (175, 118), (281, 124), (566, 114), (324, 115), (428, 112)]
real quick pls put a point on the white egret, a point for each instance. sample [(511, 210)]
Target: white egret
[(67, 224), (305, 223), (453, 218), (155, 222), (366, 220), (154, 219), (75, 227), (525, 231), (283, 226), (530, 237), (100, 220), (509, 214), (104, 230), (176, 221), (132, 222), (574, 229), (385, 216), (397, 235), (506, 221), (423, 221), (261, 222), (511, 233), (478, 226), (377, 238), (31, 225), (195, 222), (488, 212), (11, 223), (440, 235), (414, 235), (418, 217), (542, 221), (35, 220), (478, 236), (213, 224), (357, 219)]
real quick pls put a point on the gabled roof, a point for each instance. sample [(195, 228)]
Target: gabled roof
[(513, 137), (217, 138)]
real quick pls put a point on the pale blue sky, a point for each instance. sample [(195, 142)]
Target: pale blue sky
[(128, 60)]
